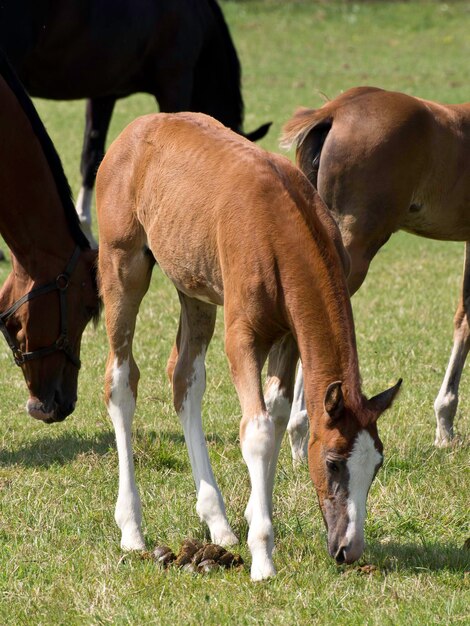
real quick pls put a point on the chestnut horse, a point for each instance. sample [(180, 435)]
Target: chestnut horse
[(180, 51), (51, 293), (188, 193), (384, 161)]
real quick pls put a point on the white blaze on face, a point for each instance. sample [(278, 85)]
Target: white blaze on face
[(361, 465)]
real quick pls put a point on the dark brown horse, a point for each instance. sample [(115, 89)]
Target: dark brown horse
[(50, 295), (385, 161), (180, 51)]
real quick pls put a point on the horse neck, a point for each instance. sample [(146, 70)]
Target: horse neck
[(318, 303), (32, 217), (33, 220), (35, 230)]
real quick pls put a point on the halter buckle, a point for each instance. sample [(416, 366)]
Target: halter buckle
[(18, 357), (62, 282), (62, 342)]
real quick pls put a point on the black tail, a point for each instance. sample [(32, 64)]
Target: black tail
[(217, 77), (309, 152), (217, 74)]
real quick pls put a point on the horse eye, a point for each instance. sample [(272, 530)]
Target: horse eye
[(332, 466)]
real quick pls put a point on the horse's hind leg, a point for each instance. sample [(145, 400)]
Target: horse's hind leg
[(445, 405), (98, 116), (124, 278), (188, 375)]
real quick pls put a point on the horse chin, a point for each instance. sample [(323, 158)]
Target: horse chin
[(38, 411)]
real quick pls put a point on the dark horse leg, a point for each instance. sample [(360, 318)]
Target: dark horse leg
[(445, 405), (98, 116)]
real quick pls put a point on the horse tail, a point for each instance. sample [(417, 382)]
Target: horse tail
[(217, 74), (307, 130)]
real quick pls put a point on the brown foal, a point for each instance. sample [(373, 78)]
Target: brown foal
[(230, 224), (383, 161)]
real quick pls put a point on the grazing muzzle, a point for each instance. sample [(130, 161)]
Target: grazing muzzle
[(344, 508), (48, 403), (51, 412), (345, 453)]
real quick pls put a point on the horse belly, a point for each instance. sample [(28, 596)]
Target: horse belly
[(191, 264), (443, 221)]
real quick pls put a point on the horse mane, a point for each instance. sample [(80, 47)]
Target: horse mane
[(218, 68), (53, 159)]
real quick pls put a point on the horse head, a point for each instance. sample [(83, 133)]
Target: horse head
[(344, 455), (43, 324)]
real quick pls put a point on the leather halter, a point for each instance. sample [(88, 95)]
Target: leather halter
[(61, 283)]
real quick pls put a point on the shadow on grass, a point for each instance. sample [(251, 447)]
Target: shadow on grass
[(177, 437), (419, 557), (150, 448), (49, 451)]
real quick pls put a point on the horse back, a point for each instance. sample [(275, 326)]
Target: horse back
[(384, 152), (212, 207)]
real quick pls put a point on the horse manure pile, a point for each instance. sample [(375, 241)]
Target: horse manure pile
[(197, 557), (367, 569)]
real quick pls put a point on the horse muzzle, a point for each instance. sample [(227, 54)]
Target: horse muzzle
[(346, 552), (49, 414)]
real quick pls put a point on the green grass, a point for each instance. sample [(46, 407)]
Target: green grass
[(60, 561)]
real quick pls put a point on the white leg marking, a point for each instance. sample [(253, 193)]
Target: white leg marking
[(83, 208), (278, 407), (298, 422), (445, 405), (128, 512), (210, 505), (258, 449), (361, 465)]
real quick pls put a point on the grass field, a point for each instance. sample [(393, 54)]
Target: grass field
[(60, 561)]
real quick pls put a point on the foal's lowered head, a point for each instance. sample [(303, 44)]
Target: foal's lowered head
[(344, 455)]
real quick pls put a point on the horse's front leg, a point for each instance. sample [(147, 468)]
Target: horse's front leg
[(278, 398), (257, 437), (445, 405), (97, 119), (124, 281)]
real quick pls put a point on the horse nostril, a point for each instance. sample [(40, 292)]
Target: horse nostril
[(340, 556)]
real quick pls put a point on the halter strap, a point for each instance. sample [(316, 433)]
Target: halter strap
[(61, 283)]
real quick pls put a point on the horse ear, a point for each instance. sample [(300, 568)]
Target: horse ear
[(334, 400), (383, 401)]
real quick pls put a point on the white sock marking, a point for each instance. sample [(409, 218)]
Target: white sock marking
[(210, 505), (83, 208), (258, 447), (128, 512), (298, 422), (445, 405)]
